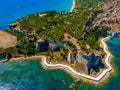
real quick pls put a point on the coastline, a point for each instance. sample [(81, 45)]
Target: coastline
[(71, 10), (73, 6), (72, 72), (68, 69), (75, 74)]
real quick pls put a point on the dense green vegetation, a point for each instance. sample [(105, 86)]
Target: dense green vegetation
[(94, 35), (26, 47), (53, 26), (19, 36)]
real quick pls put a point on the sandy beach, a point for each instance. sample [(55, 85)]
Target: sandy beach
[(73, 6)]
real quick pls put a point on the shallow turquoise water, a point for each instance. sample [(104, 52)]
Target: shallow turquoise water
[(29, 75), (11, 10)]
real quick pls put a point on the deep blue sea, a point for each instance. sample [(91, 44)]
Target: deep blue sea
[(11, 10)]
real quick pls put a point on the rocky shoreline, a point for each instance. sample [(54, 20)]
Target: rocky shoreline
[(103, 76)]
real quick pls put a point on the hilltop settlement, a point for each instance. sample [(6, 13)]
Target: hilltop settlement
[(69, 38)]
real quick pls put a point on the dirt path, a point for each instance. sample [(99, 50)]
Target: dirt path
[(74, 41)]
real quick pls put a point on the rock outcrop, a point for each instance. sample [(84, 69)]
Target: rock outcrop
[(8, 44), (7, 40)]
